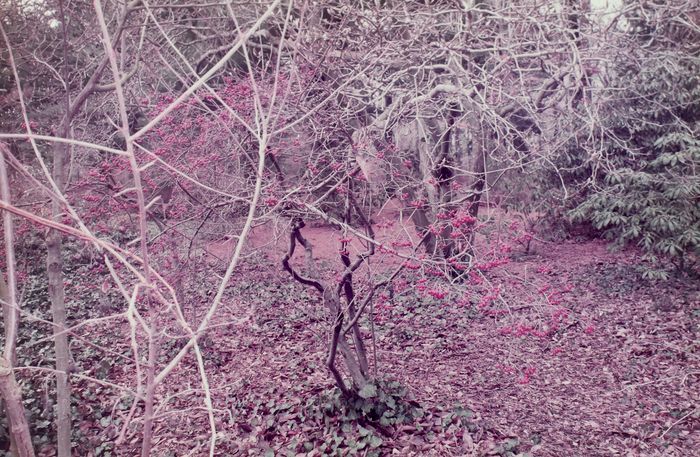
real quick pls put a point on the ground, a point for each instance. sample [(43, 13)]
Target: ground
[(574, 355)]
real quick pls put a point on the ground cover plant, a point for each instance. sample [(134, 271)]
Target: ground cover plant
[(304, 228)]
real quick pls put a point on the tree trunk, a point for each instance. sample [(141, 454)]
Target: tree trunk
[(477, 187), (338, 341), (149, 410), (360, 349), (8, 318), (54, 265), (10, 392), (12, 395)]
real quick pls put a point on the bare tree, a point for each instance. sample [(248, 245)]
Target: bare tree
[(10, 391)]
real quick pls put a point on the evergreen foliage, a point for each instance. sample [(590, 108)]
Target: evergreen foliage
[(646, 184)]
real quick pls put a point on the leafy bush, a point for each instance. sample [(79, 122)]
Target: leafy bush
[(646, 187)]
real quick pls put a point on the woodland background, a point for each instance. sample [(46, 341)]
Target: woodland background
[(365, 227)]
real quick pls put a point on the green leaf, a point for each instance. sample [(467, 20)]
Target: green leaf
[(368, 391), (511, 444), (375, 441)]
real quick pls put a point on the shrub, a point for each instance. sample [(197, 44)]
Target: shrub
[(645, 184)]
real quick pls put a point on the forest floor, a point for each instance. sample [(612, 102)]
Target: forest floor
[(577, 356)]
